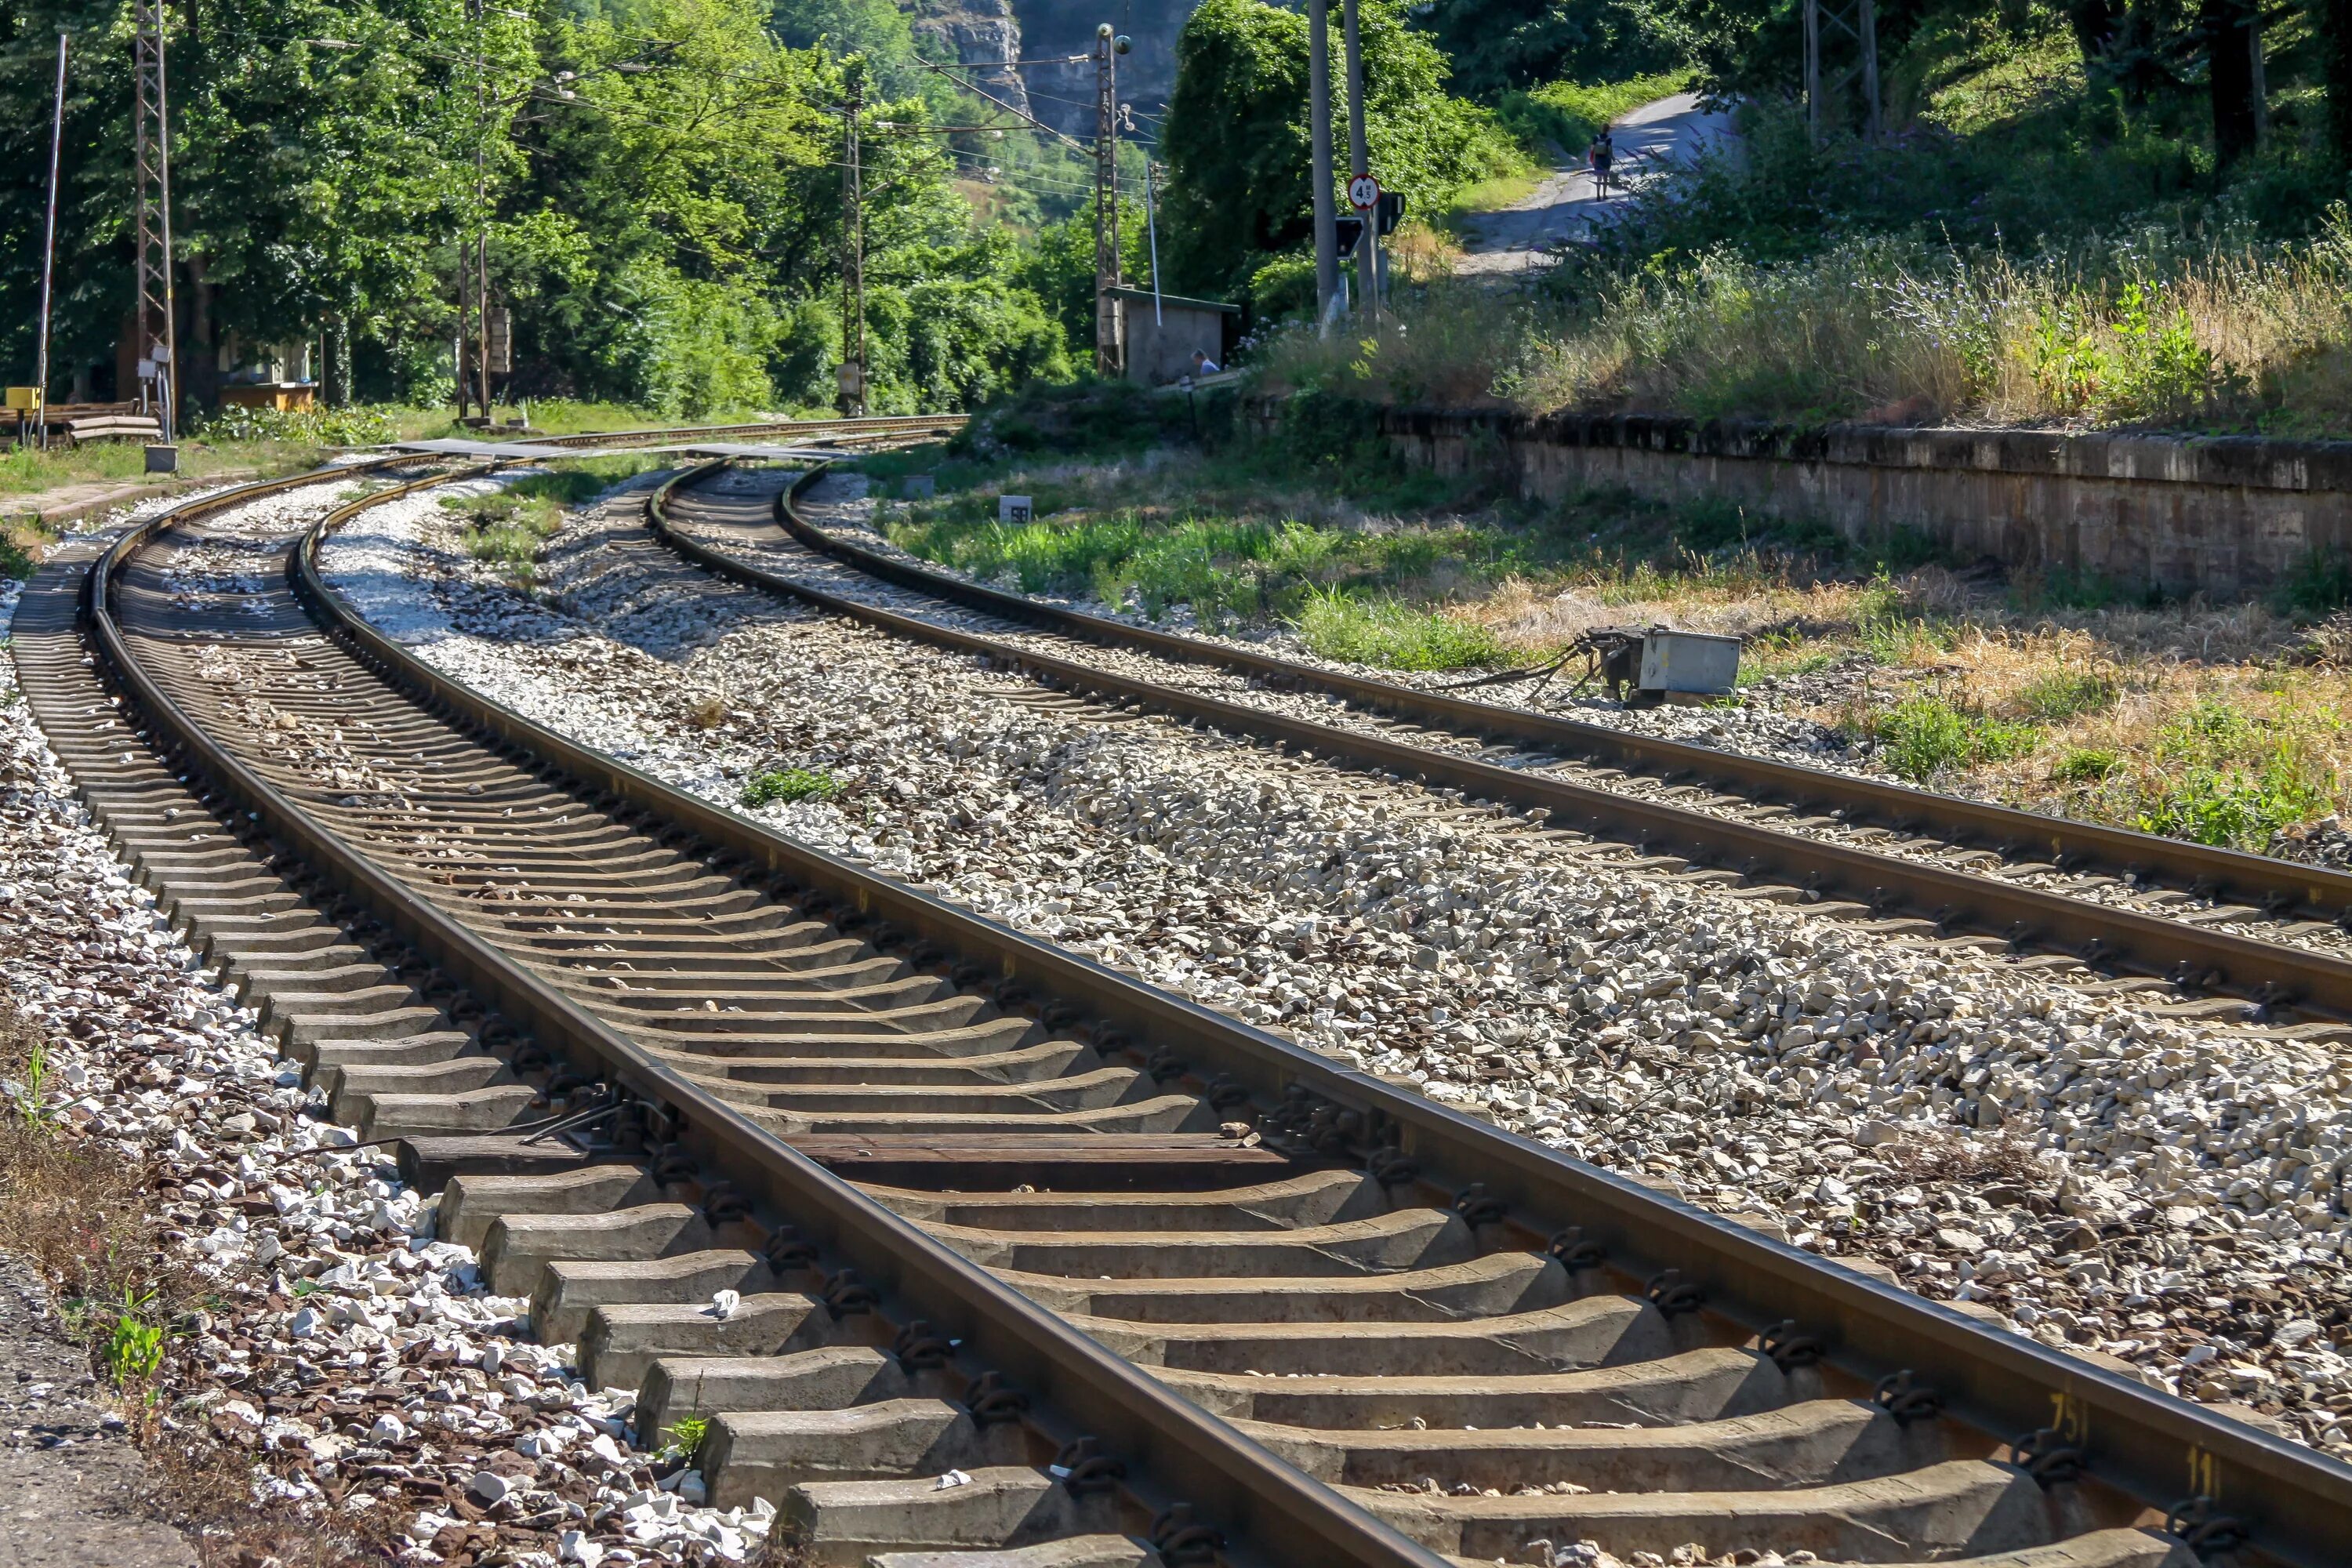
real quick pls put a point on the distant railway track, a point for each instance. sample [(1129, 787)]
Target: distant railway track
[(978, 1193), (1782, 828)]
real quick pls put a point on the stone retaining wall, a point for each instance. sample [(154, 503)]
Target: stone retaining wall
[(2220, 515)]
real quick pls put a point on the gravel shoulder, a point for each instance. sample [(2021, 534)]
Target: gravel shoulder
[(73, 1481), (346, 1371), (2158, 1191)]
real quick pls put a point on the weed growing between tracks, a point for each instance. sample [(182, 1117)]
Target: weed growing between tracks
[(509, 527)]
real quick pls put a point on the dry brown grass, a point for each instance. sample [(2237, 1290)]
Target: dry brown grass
[(2111, 712), (79, 1214), (86, 1218), (2144, 329), (203, 1486)]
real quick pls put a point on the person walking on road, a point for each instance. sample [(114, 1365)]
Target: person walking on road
[(1604, 154)]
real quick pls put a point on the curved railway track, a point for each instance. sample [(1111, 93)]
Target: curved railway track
[(2132, 912), (1162, 1287)]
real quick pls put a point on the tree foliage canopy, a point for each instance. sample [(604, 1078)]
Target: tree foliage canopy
[(1497, 45), (660, 182), (1239, 187)]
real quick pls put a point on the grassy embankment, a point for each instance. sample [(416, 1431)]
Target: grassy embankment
[(2032, 249), (2217, 721)]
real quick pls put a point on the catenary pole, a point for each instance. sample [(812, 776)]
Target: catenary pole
[(1319, 131), (853, 257), (1359, 160), (482, 217), (1106, 277), (151, 216), (1152, 229), (49, 245)]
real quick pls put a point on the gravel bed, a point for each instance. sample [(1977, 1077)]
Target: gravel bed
[(359, 1359), (839, 503), (2102, 1178)]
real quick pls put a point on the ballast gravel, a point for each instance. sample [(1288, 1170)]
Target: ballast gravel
[(358, 1360), (839, 505), (2102, 1176)]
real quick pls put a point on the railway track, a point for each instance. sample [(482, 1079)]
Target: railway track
[(2218, 933), (1029, 1259)]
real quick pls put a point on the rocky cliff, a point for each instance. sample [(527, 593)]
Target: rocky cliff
[(1063, 96), (977, 31)]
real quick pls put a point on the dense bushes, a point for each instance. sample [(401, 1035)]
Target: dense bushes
[(1236, 139)]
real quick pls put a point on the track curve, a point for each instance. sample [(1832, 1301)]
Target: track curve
[(455, 910)]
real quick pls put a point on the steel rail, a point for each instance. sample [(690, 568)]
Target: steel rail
[(2268, 975), (2278, 886), (1281, 1513), (2295, 1506), (846, 430)]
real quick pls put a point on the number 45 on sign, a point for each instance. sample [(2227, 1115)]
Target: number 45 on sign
[(1363, 193)]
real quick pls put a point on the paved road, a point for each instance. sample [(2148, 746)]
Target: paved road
[(1566, 206)]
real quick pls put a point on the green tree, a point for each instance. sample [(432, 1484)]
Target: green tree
[(1498, 45), (312, 181), (1236, 139)]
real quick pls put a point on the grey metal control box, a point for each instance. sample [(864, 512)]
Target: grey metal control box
[(1696, 662)]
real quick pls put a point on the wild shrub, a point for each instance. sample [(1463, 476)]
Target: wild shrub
[(1382, 631), (1923, 737), (784, 785)]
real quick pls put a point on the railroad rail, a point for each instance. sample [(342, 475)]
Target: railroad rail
[(1578, 771), (1165, 1288)]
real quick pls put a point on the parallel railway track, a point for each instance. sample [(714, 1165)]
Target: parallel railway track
[(981, 1199), (2166, 923)]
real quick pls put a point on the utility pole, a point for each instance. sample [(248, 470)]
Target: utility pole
[(853, 253), (1108, 48), (1360, 162), (49, 249), (158, 357), (1318, 132), (1870, 70), (1861, 26), (1814, 68), (481, 217)]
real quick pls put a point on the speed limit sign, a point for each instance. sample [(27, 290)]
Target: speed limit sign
[(1363, 193)]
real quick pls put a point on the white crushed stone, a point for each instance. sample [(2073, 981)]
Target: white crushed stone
[(2160, 1191), (327, 1277), (1756, 727)]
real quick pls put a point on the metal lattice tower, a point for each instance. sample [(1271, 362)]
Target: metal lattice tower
[(1859, 23), (158, 356), (1107, 345)]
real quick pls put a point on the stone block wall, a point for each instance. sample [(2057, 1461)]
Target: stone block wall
[(2225, 516)]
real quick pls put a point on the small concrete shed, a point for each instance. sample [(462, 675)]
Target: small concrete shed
[(1160, 349)]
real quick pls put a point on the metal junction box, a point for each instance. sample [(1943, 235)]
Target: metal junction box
[(1697, 662)]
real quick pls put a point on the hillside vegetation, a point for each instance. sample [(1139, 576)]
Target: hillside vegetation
[(2056, 229)]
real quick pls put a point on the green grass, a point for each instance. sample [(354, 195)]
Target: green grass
[(788, 784), (1228, 569), (1561, 118), (510, 526), (2320, 584), (1396, 636), (2223, 777), (1921, 737), (507, 528), (2086, 764), (2063, 695)]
